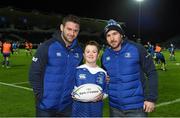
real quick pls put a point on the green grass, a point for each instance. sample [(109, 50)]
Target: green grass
[(15, 101), (169, 87), (19, 102)]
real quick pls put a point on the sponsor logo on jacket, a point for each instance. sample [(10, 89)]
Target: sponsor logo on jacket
[(34, 59), (58, 54), (108, 58), (127, 55), (76, 55), (82, 76)]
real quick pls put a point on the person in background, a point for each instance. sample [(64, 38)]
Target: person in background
[(158, 48), (52, 70), (159, 57), (172, 52), (6, 51), (133, 84), (150, 49), (92, 73), (28, 47), (14, 47)]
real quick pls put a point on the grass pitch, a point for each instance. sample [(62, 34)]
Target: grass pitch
[(17, 100)]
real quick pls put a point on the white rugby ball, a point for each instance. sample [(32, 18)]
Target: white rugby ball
[(86, 92)]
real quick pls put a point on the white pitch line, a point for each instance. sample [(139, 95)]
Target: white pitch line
[(167, 103), (29, 89), (12, 85), (20, 83)]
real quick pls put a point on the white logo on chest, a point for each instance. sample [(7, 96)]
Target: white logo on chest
[(58, 54), (127, 55), (108, 58), (82, 76), (34, 59)]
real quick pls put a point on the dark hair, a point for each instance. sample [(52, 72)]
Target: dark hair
[(71, 18), (92, 43)]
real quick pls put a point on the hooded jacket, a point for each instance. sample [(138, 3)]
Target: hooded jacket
[(52, 73), (130, 69)]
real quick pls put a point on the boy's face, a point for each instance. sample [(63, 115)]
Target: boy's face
[(90, 54)]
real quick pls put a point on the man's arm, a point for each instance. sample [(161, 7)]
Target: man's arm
[(37, 69), (151, 82)]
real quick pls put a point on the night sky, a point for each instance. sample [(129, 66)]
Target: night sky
[(160, 19)]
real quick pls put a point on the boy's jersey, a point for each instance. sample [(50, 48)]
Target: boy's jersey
[(84, 75)]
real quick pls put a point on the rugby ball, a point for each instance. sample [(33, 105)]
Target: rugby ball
[(86, 92)]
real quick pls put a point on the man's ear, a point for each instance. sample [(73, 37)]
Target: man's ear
[(121, 36), (61, 27)]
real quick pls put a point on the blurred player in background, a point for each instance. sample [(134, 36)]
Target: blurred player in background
[(159, 57), (172, 52), (6, 50), (28, 47)]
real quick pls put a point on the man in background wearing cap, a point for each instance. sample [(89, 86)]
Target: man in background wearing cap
[(133, 85)]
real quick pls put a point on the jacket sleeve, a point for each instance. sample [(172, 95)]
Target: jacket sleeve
[(102, 65), (37, 70), (150, 83)]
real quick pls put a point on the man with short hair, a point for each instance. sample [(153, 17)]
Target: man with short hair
[(133, 84), (53, 70)]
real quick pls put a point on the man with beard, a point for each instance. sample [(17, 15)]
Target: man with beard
[(53, 68), (133, 84)]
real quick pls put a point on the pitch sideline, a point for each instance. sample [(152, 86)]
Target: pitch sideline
[(15, 86), (20, 83), (168, 103)]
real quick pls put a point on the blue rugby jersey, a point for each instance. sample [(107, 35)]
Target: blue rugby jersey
[(84, 75)]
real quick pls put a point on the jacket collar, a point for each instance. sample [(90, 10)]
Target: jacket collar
[(57, 36)]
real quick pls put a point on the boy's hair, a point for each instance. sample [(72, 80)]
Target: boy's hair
[(92, 43), (71, 18)]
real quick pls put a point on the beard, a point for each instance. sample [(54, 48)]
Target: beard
[(66, 39), (114, 45)]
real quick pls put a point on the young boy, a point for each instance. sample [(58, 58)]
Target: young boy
[(92, 73)]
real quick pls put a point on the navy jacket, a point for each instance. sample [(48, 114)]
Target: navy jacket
[(52, 73), (130, 69)]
